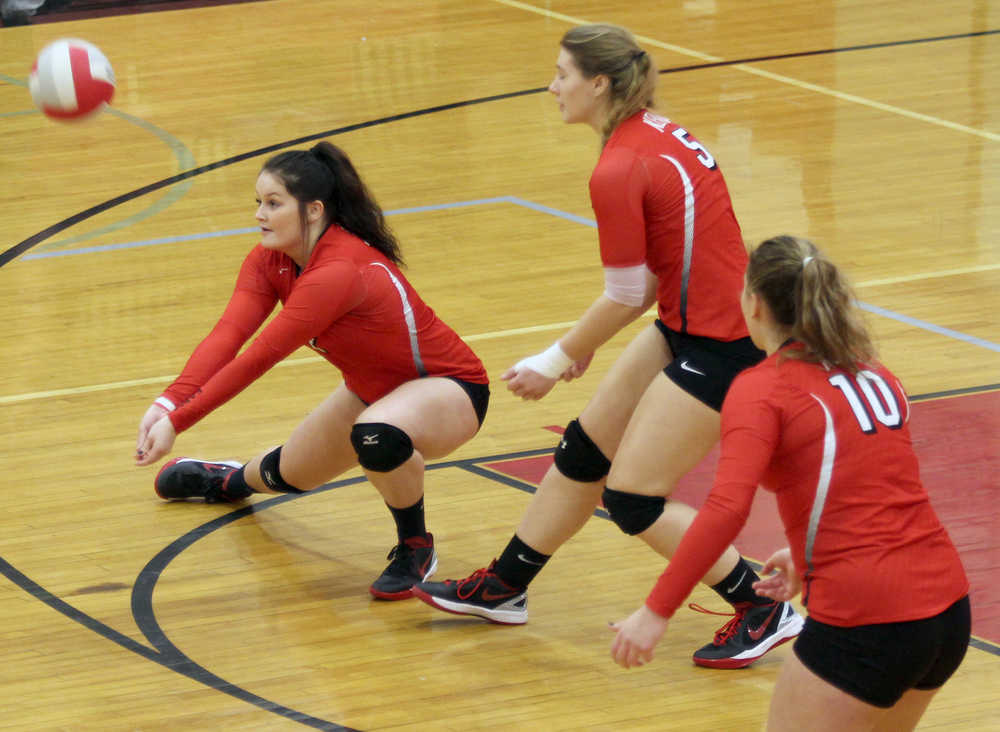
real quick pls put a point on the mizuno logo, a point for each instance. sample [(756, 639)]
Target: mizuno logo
[(370, 439), (282, 270), (756, 633), (692, 369)]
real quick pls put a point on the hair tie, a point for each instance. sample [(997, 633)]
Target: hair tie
[(806, 261), (633, 57)]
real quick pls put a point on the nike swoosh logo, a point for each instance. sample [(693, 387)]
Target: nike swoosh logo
[(692, 369), (490, 597), (730, 589), (756, 633), (528, 561)]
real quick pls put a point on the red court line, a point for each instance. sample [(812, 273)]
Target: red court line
[(958, 443)]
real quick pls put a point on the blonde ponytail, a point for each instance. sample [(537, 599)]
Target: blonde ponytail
[(610, 50)]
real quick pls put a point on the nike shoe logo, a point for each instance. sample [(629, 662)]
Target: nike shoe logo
[(490, 597), (692, 369), (730, 589), (756, 633), (529, 561)]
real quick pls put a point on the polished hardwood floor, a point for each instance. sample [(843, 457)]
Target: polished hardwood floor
[(872, 128)]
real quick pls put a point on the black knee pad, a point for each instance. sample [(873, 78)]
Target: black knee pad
[(578, 458), (270, 474), (381, 447), (633, 513)]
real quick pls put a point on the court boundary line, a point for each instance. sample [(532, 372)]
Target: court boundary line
[(165, 653), (741, 65), (13, 252), (109, 386)]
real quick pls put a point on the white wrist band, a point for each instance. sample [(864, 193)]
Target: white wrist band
[(165, 403), (551, 362)]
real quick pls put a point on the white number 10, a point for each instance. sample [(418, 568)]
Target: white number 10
[(882, 405)]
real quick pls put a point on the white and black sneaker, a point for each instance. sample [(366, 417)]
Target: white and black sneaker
[(184, 478), (482, 593), (753, 631)]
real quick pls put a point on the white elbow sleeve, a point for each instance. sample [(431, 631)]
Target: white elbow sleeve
[(626, 285)]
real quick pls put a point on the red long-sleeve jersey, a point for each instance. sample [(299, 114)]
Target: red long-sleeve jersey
[(835, 449), (350, 303)]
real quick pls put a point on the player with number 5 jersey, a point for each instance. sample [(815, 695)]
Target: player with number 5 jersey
[(823, 425), (667, 235)]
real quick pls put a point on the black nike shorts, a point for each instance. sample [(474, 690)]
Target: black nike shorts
[(705, 367), (878, 663)]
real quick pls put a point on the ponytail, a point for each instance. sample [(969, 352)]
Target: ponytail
[(807, 294), (325, 173)]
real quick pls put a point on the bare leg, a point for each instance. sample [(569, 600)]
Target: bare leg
[(319, 449), (560, 507), (437, 415), (685, 431), (802, 700)]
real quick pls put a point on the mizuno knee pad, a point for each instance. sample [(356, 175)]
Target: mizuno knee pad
[(380, 447)]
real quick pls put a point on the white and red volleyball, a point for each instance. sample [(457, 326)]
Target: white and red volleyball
[(71, 79)]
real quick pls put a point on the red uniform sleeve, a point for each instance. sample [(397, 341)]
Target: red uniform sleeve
[(319, 297), (617, 191), (750, 429), (252, 301)]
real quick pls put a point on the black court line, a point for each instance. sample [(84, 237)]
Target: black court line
[(20, 248), (955, 392), (165, 653)]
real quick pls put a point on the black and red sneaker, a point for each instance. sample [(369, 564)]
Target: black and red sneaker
[(411, 561), (482, 593), (184, 478), (753, 631)]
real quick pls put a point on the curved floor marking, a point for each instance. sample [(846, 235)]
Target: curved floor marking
[(185, 161)]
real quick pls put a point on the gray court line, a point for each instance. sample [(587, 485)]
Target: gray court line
[(185, 161), (947, 332), (930, 326)]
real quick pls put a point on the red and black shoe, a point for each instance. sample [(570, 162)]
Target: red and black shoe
[(482, 593), (184, 478), (753, 631), (411, 561)]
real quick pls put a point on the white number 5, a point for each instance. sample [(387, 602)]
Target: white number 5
[(704, 156)]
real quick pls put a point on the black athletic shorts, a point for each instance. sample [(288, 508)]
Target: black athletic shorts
[(705, 367), (479, 394), (877, 663)]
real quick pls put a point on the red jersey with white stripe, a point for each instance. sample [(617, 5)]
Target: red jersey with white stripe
[(350, 303), (835, 449), (660, 200)]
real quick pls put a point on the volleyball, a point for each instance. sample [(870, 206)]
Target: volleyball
[(71, 79)]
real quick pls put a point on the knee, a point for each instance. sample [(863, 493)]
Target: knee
[(578, 458), (633, 513), (381, 447), (270, 473)]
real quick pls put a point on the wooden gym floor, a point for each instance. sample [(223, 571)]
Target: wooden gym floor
[(872, 128)]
